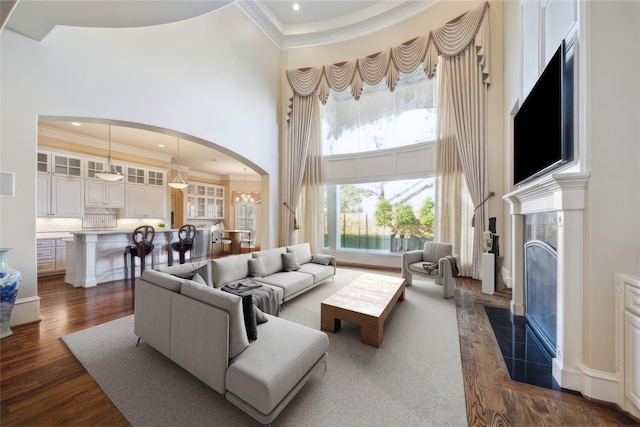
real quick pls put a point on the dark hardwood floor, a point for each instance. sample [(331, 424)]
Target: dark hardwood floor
[(42, 383)]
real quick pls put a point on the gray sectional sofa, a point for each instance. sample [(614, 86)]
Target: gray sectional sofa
[(205, 330)]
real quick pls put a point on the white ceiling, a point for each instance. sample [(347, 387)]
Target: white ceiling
[(316, 22)]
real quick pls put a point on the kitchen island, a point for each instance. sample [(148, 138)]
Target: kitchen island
[(97, 256)]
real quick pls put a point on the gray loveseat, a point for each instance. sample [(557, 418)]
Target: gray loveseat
[(203, 330)]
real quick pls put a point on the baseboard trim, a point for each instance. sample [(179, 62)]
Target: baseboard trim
[(598, 385), (25, 310)]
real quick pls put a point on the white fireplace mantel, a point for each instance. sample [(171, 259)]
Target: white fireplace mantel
[(563, 193)]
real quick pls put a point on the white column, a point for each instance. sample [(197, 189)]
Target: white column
[(88, 279)]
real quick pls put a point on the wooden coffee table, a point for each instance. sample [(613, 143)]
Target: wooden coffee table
[(367, 302)]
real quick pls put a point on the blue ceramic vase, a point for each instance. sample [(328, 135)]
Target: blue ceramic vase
[(10, 279)]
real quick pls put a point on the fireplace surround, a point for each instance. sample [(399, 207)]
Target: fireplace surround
[(561, 195)]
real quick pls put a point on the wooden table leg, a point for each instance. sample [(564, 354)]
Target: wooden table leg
[(371, 332), (328, 320)]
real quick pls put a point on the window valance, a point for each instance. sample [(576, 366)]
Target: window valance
[(450, 40)]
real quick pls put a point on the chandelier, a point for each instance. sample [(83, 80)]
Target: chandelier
[(178, 182), (245, 197), (109, 172)]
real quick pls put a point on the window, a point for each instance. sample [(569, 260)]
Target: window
[(381, 119), (380, 166)]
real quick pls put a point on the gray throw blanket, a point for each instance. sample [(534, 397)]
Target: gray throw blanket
[(454, 265), (264, 297)]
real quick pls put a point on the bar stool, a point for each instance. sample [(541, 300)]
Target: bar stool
[(142, 246), (186, 234)]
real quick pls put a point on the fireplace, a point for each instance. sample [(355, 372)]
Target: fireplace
[(540, 277), (551, 210)]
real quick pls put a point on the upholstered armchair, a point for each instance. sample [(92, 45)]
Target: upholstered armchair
[(436, 261)]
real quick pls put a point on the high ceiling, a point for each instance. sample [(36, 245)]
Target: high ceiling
[(316, 22)]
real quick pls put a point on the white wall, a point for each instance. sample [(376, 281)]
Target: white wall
[(613, 156), (608, 143), (215, 77)]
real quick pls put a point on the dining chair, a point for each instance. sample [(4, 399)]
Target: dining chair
[(218, 237), (249, 240)]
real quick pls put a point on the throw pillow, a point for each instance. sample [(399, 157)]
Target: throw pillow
[(203, 272), (260, 317), (321, 259), (250, 319), (256, 268), (290, 262), (198, 279), (189, 275)]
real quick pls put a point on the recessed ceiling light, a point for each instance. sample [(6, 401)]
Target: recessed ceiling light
[(76, 124), (161, 145), (296, 7)]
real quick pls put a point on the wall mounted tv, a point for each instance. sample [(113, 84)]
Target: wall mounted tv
[(543, 126)]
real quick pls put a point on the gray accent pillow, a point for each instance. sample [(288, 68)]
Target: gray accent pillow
[(290, 262), (260, 317), (188, 275), (199, 279), (203, 272), (256, 268), (321, 259)]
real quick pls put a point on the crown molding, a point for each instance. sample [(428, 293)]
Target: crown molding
[(337, 30)]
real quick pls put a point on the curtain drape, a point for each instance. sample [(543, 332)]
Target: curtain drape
[(294, 158), (463, 44)]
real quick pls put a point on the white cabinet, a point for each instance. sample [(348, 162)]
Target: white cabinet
[(59, 196), (99, 193), (51, 256), (144, 201), (205, 201), (627, 346), (146, 193), (104, 194), (60, 186)]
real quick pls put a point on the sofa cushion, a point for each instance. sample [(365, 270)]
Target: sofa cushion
[(256, 267), (230, 303), (321, 259), (229, 269), (291, 282), (290, 262), (318, 271), (272, 259), (267, 371), (302, 251)]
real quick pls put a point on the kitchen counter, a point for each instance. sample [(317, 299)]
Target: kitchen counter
[(97, 256), (53, 235)]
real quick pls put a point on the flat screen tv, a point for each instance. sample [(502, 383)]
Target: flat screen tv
[(543, 126)]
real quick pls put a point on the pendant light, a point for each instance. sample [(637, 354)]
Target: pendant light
[(178, 182), (109, 173)]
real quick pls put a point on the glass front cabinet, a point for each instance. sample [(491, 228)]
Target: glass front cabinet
[(205, 201)]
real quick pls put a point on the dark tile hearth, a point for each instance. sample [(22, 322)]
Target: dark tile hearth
[(526, 359)]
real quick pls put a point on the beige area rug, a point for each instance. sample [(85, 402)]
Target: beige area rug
[(413, 379)]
